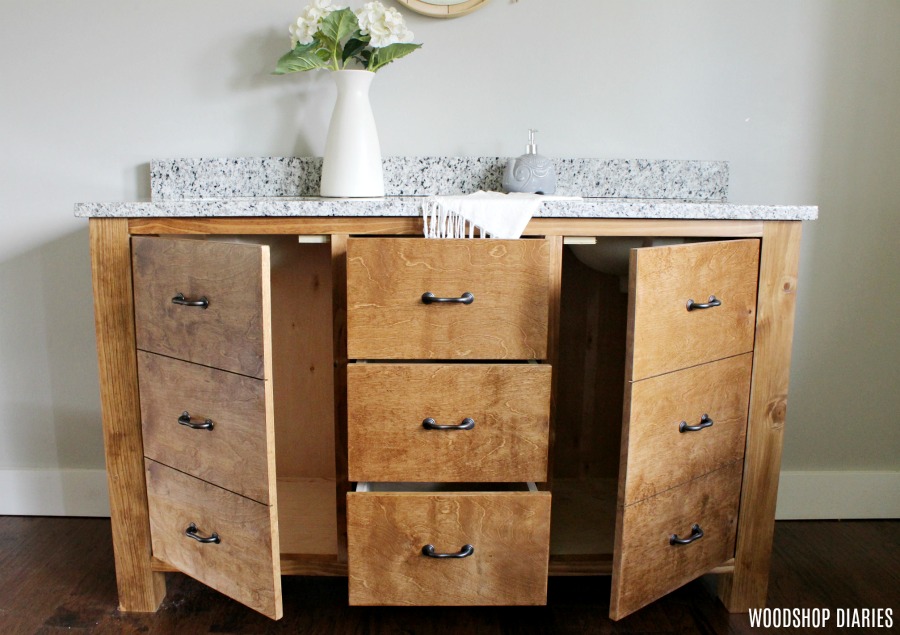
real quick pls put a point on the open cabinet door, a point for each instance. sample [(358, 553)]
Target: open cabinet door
[(691, 324), (203, 326)]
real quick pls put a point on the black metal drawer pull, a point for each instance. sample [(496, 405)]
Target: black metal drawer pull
[(696, 534), (185, 420), (713, 301), (183, 301), (705, 422), (430, 424), (191, 532), (429, 298), (465, 552)]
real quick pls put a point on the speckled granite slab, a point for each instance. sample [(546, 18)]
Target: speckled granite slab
[(412, 206), (182, 179)]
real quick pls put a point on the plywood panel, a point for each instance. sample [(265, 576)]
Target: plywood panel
[(509, 532), (303, 360), (244, 564), (509, 405), (663, 334), (656, 456), (233, 454), (646, 565), (387, 318), (232, 332)]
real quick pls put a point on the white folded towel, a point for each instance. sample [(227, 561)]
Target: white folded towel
[(494, 214)]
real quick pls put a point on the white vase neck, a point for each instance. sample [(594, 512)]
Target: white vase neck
[(353, 80)]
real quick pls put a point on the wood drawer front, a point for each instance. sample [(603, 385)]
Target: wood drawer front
[(646, 566), (657, 455), (233, 454), (387, 319), (509, 531), (665, 336), (245, 565), (388, 403), (232, 332)]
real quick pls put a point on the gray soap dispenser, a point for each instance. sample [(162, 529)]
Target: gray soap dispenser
[(531, 172)]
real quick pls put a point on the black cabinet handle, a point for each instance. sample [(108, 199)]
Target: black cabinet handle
[(465, 552), (696, 534), (713, 301), (185, 420), (429, 298), (191, 532), (183, 301), (430, 424), (705, 422)]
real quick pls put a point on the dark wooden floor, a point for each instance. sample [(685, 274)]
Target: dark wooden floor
[(56, 575)]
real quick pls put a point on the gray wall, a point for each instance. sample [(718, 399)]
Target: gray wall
[(801, 97)]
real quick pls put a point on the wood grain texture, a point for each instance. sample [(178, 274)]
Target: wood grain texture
[(412, 226), (646, 566), (510, 532), (583, 524), (768, 407), (234, 454), (140, 589), (655, 455), (509, 403), (591, 373), (339, 351), (306, 516), (291, 564), (233, 332), (665, 336), (245, 565), (386, 318), (643, 227), (554, 301), (301, 226), (302, 358)]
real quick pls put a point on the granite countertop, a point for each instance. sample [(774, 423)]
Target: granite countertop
[(259, 187)]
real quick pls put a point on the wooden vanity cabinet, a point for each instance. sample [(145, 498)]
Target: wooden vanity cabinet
[(652, 429)]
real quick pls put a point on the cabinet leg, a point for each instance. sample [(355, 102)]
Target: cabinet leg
[(746, 588), (140, 588)]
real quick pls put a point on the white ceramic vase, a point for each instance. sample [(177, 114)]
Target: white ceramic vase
[(352, 162)]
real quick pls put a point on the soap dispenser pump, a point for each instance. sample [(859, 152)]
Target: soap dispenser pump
[(531, 172)]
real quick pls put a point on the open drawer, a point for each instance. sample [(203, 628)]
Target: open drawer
[(448, 545)]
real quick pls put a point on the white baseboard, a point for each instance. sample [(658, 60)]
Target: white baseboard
[(801, 495), (838, 495), (53, 493)]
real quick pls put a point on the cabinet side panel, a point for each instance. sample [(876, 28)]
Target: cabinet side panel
[(779, 260), (303, 359), (140, 589)]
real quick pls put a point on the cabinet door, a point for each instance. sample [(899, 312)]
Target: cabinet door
[(691, 323), (203, 324), (690, 304), (205, 302)]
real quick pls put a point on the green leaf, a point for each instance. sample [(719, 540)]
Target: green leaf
[(338, 25), (386, 55), (353, 48), (303, 58)]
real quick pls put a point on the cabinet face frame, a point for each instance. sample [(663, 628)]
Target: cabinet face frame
[(141, 585)]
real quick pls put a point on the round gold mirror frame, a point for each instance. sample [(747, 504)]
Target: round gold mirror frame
[(435, 10)]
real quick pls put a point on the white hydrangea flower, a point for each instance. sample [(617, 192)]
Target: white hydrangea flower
[(384, 26), (303, 30)]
